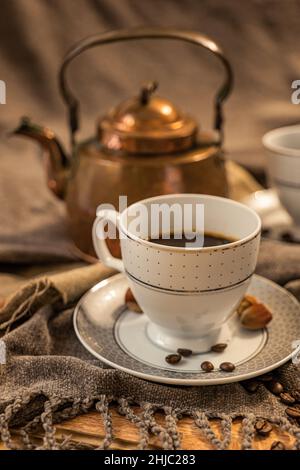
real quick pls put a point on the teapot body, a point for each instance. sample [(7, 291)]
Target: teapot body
[(99, 177), (145, 146)]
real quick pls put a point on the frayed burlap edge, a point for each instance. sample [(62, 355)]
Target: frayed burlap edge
[(60, 289), (53, 410)]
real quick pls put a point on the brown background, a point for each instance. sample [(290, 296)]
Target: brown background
[(261, 38)]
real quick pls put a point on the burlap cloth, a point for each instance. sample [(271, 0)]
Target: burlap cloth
[(48, 376)]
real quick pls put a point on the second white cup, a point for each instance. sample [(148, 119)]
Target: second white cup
[(186, 292), (283, 154)]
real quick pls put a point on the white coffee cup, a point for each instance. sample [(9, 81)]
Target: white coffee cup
[(187, 293), (283, 151)]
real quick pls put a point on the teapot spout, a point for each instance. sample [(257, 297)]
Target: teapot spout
[(57, 161)]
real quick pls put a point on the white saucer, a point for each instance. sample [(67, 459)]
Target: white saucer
[(119, 337)]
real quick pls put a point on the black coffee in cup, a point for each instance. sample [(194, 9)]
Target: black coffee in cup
[(184, 240)]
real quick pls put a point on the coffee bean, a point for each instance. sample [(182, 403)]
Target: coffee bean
[(207, 366), (296, 395), (220, 347), (287, 237), (266, 377), (277, 445), (265, 232), (263, 427), (265, 431), (184, 352), (250, 386), (227, 366), (287, 398), (259, 424), (173, 358), (293, 412), (275, 387)]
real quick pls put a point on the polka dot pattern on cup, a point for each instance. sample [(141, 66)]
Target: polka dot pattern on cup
[(194, 270)]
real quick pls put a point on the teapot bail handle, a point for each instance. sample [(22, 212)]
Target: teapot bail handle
[(143, 33)]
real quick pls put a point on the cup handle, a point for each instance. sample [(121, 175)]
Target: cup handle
[(99, 242)]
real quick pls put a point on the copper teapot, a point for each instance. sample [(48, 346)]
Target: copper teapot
[(142, 148)]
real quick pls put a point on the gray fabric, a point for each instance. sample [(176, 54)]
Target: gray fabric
[(42, 357), (279, 262)]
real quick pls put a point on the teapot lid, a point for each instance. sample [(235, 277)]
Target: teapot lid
[(147, 124)]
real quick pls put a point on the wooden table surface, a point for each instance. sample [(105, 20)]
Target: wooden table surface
[(88, 430)]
